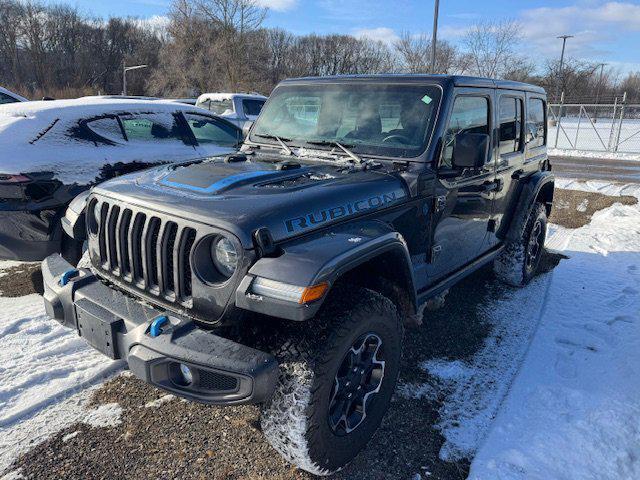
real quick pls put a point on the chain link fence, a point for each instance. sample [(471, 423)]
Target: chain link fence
[(595, 127)]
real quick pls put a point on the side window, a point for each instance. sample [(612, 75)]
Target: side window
[(153, 128), (252, 107), (536, 131), (510, 124), (4, 98), (107, 128), (219, 107), (470, 114), (209, 131)]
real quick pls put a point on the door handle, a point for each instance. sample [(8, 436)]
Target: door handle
[(494, 186)]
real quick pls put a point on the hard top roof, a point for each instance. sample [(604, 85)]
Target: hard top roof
[(443, 80)]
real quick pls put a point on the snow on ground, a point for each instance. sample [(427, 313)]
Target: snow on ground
[(583, 135), (567, 152), (555, 391), (42, 363), (573, 410)]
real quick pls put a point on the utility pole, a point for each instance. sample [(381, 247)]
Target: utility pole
[(126, 69), (595, 109), (434, 37), (560, 73)]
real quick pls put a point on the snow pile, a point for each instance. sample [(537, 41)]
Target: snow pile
[(40, 359), (42, 366), (573, 409), (600, 155)]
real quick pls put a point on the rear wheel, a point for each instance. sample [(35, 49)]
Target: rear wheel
[(518, 262), (336, 383)]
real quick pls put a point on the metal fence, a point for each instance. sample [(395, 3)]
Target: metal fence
[(595, 127)]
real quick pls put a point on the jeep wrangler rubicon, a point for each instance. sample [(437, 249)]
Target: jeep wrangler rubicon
[(283, 275)]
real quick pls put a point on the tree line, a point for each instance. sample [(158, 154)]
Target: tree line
[(222, 45)]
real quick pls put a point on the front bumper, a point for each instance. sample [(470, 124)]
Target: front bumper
[(223, 371)]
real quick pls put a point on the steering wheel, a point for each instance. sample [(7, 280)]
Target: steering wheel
[(396, 136)]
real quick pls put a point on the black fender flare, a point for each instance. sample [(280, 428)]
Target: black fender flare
[(322, 257), (529, 193)]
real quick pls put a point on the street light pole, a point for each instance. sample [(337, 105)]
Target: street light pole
[(595, 109), (126, 69), (560, 75), (434, 37)]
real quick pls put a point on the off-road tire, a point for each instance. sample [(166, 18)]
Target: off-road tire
[(295, 420), (515, 265)]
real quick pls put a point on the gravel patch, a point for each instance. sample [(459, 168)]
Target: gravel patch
[(574, 208)]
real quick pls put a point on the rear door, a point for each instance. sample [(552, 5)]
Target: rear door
[(509, 154), (464, 197), (518, 157)]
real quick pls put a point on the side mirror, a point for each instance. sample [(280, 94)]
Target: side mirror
[(470, 150)]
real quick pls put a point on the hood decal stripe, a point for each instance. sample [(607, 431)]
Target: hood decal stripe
[(220, 184)]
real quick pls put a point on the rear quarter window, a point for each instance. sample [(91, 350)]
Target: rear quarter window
[(107, 128), (536, 125), (252, 106), (153, 128)]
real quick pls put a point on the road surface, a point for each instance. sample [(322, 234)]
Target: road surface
[(625, 171)]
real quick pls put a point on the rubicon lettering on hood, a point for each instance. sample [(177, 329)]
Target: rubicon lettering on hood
[(333, 213)]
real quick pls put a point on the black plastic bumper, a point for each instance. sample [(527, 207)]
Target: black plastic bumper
[(222, 371)]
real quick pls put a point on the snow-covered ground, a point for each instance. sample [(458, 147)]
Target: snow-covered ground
[(555, 391), (43, 368), (595, 155), (583, 135)]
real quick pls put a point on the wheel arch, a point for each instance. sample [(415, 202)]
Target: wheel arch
[(366, 254), (539, 187)]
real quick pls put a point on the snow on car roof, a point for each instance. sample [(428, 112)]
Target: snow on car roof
[(85, 107), (35, 136), (21, 122), (228, 96)]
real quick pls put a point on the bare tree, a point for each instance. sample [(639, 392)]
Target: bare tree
[(414, 55), (491, 47)]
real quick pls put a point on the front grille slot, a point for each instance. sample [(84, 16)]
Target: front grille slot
[(136, 246), (142, 250), (184, 261)]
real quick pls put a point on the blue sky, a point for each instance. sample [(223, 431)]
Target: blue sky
[(605, 31)]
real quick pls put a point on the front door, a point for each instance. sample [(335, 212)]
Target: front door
[(463, 196)]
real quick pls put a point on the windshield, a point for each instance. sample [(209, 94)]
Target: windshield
[(219, 107), (385, 120)]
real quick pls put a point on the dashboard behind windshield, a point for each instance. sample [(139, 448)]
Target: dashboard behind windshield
[(385, 120)]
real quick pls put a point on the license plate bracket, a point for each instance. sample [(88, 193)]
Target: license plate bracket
[(98, 327)]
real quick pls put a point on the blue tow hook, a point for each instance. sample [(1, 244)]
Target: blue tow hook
[(156, 325), (68, 275)]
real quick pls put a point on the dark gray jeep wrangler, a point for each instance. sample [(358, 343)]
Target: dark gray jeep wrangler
[(283, 274)]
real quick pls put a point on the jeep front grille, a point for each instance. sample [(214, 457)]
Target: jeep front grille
[(144, 250)]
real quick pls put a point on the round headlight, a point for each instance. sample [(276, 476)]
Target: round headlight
[(225, 256)]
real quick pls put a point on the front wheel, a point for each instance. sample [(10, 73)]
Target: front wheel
[(336, 383), (518, 262)]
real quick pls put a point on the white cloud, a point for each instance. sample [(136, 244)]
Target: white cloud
[(278, 5), (590, 25), (379, 34)]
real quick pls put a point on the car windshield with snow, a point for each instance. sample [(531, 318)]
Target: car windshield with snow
[(51, 151), (284, 274)]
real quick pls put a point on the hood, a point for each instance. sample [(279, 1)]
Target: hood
[(245, 196)]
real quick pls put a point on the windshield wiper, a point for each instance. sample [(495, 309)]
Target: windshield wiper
[(280, 140), (355, 157)]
